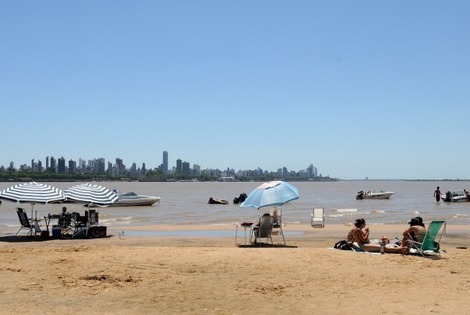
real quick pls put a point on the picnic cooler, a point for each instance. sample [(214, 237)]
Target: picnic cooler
[(56, 231), (97, 231)]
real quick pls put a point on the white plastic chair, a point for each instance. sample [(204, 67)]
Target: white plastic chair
[(318, 218), (276, 213)]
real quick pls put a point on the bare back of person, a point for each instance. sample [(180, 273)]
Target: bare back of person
[(415, 233)]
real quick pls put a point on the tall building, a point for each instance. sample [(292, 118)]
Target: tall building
[(120, 167), (185, 169), (81, 164), (90, 168), (61, 165), (196, 169), (311, 171), (100, 166), (133, 169), (165, 163), (179, 166), (72, 167), (53, 164)]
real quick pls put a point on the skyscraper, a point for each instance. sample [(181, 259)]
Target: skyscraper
[(61, 165), (100, 166), (179, 166), (72, 167), (185, 169), (165, 163), (53, 164), (120, 167)]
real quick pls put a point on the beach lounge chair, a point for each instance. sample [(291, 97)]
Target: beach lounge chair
[(80, 224), (65, 222), (264, 230), (318, 218), (25, 222), (276, 213), (431, 242)]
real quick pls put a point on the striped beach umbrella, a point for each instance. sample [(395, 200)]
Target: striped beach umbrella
[(91, 194), (32, 193)]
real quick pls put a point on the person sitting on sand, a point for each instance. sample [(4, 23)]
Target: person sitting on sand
[(350, 237), (415, 232), (360, 236), (361, 239)]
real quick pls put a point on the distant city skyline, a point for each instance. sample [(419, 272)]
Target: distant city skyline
[(61, 164)]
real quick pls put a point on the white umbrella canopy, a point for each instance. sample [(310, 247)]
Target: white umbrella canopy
[(32, 193), (274, 193), (91, 194)]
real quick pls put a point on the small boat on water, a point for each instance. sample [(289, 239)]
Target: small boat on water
[(375, 194), (132, 199), (457, 196), (215, 201), (240, 198)]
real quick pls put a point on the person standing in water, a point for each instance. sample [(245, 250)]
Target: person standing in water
[(437, 194)]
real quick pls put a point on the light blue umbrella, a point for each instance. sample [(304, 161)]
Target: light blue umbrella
[(269, 194)]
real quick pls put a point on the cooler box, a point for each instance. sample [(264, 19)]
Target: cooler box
[(56, 231), (97, 231)]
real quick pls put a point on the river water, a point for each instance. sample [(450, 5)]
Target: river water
[(186, 203)]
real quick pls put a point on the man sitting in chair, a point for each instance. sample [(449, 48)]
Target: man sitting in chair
[(415, 232), (64, 217), (256, 227)]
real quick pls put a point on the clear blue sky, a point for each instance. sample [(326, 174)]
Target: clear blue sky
[(376, 89)]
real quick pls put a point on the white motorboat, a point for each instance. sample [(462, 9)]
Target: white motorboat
[(133, 199), (375, 194), (457, 196)]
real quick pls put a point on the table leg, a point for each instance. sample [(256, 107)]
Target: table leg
[(236, 234)]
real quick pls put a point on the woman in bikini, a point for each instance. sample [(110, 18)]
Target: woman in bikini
[(361, 238)]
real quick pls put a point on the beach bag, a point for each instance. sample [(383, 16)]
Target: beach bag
[(343, 245)]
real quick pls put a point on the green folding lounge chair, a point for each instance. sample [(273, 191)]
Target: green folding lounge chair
[(431, 242)]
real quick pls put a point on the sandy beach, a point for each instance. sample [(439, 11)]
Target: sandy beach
[(210, 275)]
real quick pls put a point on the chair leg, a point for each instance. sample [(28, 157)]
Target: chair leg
[(30, 232), (282, 234)]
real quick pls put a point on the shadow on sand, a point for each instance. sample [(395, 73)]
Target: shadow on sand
[(23, 238), (31, 239), (266, 245)]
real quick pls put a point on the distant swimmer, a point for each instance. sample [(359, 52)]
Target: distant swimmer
[(437, 194)]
